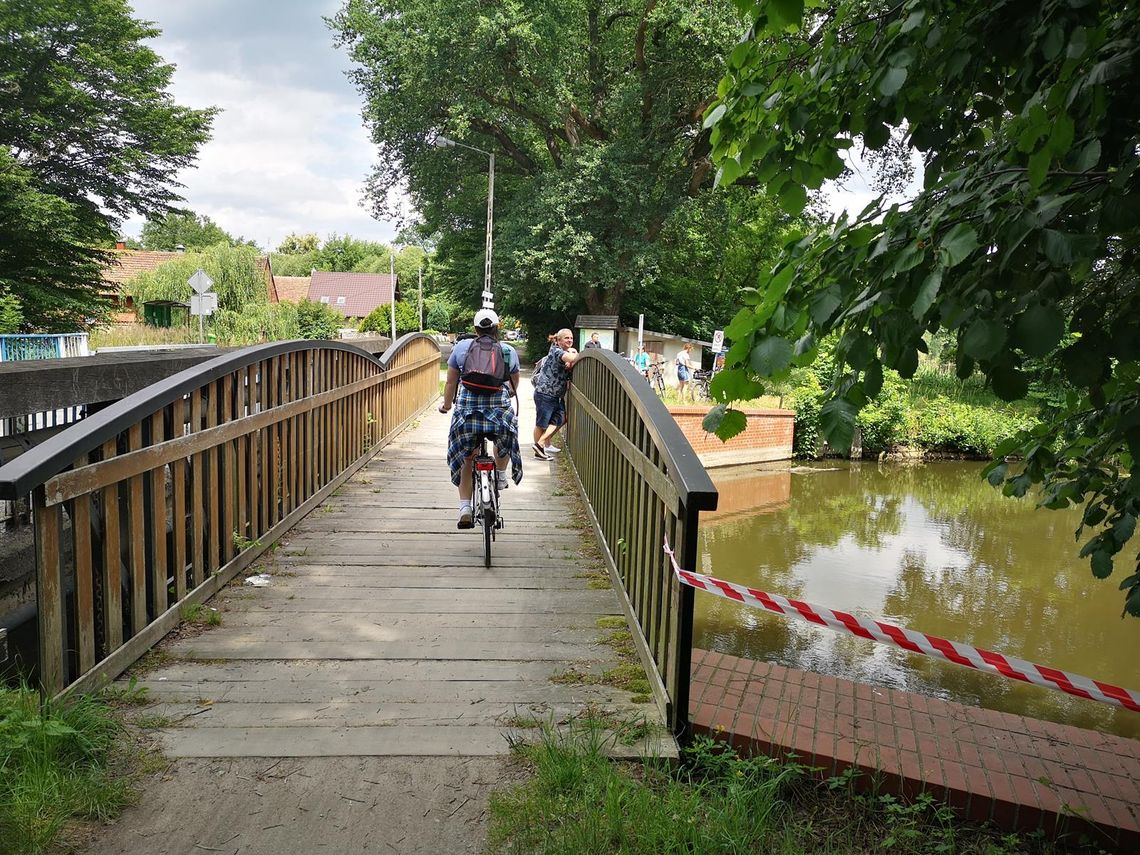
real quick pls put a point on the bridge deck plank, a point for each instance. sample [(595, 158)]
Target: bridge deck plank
[(382, 633)]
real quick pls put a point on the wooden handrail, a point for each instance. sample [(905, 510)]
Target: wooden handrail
[(174, 490), (642, 481)]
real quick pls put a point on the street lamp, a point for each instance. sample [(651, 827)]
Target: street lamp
[(443, 142)]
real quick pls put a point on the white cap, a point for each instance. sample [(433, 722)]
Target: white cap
[(485, 319)]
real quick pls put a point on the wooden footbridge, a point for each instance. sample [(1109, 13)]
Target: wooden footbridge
[(379, 632)]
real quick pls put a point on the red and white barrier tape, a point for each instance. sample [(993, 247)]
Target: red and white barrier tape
[(916, 642)]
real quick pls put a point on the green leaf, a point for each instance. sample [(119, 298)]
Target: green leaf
[(1061, 137), (984, 339), (876, 135), (741, 325), (892, 81), (713, 117), (1101, 564), (1009, 384), (734, 384), (997, 474), (873, 379), (793, 198), (784, 13), (733, 423), (730, 169), (1053, 42), (824, 304), (714, 417), (1089, 156), (837, 421), (907, 363), (1039, 166), (771, 355), (913, 20), (1038, 329), (959, 242), (927, 292), (859, 349), (1123, 529)]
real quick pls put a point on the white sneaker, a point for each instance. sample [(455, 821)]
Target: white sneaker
[(502, 481), (553, 449), (464, 516)]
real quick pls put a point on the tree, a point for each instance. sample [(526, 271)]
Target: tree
[(295, 244), (437, 315), (380, 319), (186, 230), (11, 313), (88, 134), (238, 279), (318, 320), (1023, 241), (593, 114)]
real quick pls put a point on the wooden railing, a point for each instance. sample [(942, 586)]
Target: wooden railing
[(159, 500), (643, 484)]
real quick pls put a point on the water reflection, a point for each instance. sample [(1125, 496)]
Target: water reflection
[(930, 547)]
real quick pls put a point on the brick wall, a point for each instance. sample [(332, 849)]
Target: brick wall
[(768, 436)]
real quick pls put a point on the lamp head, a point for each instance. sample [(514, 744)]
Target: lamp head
[(440, 141)]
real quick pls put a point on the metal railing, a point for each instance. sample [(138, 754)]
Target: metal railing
[(54, 346), (159, 500), (642, 483)]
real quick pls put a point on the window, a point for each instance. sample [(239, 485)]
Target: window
[(324, 298), (340, 301)]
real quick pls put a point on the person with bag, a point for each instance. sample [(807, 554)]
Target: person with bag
[(550, 382), (482, 375)]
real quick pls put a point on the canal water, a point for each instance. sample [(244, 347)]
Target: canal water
[(930, 547)]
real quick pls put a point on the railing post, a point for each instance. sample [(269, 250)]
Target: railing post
[(49, 593), (684, 663)]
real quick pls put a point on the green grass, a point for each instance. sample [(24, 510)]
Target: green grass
[(57, 764), (576, 800)]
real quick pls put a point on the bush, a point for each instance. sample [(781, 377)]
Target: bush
[(379, 319), (11, 313), (318, 320), (256, 324), (437, 315)]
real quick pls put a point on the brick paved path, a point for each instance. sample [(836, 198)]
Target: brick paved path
[(1019, 772)]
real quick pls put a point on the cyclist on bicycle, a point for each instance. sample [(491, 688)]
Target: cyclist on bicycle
[(482, 409)]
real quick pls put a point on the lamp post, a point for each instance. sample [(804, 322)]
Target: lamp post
[(444, 142)]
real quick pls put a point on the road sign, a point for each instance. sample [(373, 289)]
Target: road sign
[(203, 304), (718, 341), (200, 281)]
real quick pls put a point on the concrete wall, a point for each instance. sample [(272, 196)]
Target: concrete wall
[(768, 436)]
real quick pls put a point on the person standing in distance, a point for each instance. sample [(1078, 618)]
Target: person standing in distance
[(481, 408), (594, 341)]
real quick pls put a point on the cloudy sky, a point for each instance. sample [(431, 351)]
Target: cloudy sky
[(289, 152)]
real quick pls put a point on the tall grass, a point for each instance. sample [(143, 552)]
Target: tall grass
[(133, 335), (54, 767), (577, 800)]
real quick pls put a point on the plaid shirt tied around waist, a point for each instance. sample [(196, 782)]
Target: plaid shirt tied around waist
[(478, 414)]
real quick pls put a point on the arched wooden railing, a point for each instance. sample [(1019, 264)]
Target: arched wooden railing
[(643, 483), (159, 500)]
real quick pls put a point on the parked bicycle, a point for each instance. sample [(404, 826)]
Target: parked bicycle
[(699, 386), (656, 378)]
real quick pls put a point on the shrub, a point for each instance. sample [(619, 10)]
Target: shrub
[(11, 313), (379, 319), (256, 323), (318, 320)]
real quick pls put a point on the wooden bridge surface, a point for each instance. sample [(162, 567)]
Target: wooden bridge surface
[(382, 633)]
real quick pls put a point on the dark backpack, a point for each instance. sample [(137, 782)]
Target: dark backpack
[(485, 367)]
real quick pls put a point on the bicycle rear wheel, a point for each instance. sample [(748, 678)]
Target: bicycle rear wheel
[(487, 514)]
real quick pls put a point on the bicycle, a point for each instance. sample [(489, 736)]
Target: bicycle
[(700, 386), (655, 378), (485, 495)]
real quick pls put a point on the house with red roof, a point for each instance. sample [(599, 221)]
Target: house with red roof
[(129, 263), (354, 295), (292, 289)]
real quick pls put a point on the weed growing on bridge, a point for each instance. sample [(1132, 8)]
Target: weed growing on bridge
[(199, 614), (611, 622), (714, 803), (59, 763)]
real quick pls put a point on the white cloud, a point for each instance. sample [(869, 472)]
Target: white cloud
[(289, 152)]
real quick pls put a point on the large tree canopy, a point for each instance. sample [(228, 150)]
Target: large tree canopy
[(88, 134), (1023, 241), (592, 109), (186, 230)]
